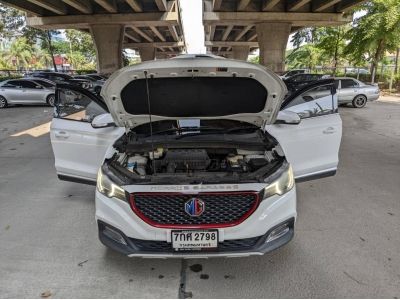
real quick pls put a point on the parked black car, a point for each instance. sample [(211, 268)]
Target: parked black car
[(97, 81), (296, 82), (61, 78)]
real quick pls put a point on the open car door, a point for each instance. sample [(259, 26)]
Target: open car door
[(78, 147), (311, 146)]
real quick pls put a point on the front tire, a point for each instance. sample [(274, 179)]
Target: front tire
[(3, 102), (359, 101), (51, 99)]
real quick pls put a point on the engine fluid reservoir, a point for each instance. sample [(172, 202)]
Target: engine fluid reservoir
[(137, 163)]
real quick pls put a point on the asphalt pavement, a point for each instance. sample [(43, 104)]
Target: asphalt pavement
[(346, 243)]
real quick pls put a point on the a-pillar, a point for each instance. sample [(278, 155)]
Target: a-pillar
[(272, 40), (108, 41), (240, 52), (147, 53)]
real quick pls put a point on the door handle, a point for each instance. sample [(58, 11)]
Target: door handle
[(61, 134), (329, 130)]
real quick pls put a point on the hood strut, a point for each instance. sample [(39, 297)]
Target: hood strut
[(151, 123)]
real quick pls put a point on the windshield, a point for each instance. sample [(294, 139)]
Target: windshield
[(194, 126), (95, 77), (45, 83)]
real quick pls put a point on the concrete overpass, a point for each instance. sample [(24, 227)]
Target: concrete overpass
[(233, 28), (153, 27)]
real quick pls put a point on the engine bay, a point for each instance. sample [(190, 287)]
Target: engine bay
[(245, 155), (189, 161)]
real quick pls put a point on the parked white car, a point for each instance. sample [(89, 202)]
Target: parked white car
[(357, 93), (196, 157), (26, 91)]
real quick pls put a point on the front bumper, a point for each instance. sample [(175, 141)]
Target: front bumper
[(247, 238), (162, 249)]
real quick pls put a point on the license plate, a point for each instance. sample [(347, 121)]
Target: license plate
[(186, 240)]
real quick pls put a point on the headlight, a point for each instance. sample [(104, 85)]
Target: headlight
[(109, 188), (281, 185)]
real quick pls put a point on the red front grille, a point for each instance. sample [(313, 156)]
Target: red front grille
[(167, 210)]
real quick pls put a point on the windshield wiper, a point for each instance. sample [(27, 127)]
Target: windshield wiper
[(220, 131), (185, 129)]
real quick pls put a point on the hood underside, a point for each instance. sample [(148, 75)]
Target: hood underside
[(193, 88)]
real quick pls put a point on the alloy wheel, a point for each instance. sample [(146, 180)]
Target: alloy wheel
[(3, 102), (50, 100), (359, 101)]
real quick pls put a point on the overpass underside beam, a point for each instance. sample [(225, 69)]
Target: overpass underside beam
[(137, 24), (266, 24)]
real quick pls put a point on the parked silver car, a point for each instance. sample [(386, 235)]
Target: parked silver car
[(353, 91), (26, 91)]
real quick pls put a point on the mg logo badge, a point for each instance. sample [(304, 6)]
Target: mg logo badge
[(194, 207)]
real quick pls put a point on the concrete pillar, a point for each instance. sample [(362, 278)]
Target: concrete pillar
[(161, 55), (272, 40), (147, 53), (108, 41), (240, 52)]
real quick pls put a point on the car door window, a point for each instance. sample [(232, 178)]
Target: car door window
[(314, 102), (348, 83), (45, 83), (10, 84), (75, 106), (27, 84)]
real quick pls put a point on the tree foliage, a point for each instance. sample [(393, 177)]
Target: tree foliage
[(375, 32)]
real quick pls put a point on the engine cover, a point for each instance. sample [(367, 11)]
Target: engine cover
[(184, 160)]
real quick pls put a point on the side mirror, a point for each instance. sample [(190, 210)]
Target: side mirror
[(288, 117), (103, 121)]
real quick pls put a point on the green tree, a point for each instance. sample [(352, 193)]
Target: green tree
[(375, 33), (332, 42), (42, 59), (44, 37), (82, 42), (20, 51), (4, 63), (11, 21), (306, 56)]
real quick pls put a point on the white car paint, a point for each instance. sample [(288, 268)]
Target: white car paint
[(311, 147), (79, 148)]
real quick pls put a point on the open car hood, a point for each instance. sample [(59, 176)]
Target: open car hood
[(193, 88)]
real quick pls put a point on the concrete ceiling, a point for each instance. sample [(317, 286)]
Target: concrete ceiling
[(147, 22), (230, 23)]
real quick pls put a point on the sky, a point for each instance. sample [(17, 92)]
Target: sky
[(193, 25)]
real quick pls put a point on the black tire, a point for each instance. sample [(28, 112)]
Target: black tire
[(50, 99), (3, 102), (359, 101)]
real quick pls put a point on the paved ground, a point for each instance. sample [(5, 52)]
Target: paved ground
[(346, 244), (389, 98)]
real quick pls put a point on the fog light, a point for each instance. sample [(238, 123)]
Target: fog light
[(278, 232), (114, 235)]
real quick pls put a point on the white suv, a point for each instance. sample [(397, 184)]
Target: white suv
[(195, 157)]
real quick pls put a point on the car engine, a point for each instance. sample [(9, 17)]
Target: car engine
[(189, 161)]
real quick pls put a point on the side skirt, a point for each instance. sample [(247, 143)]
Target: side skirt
[(316, 176), (76, 179)]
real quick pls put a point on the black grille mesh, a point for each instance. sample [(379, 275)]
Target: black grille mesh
[(169, 208), (228, 245)]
